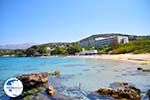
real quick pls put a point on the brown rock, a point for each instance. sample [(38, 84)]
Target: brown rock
[(120, 93), (34, 79), (146, 70), (55, 73), (148, 94), (134, 88), (143, 69), (121, 90), (50, 90), (139, 68), (124, 85)]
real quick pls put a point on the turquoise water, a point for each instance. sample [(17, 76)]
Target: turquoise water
[(90, 74)]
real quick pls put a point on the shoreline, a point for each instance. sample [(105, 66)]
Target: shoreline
[(136, 58), (142, 59)]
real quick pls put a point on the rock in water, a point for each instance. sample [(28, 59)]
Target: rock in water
[(121, 90), (50, 90), (33, 80), (55, 73), (143, 69), (124, 85), (34, 88), (148, 94), (146, 70), (120, 93), (139, 68), (134, 88)]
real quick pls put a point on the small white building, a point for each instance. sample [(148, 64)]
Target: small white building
[(122, 39), (88, 52)]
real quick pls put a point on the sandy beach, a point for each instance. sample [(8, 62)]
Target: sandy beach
[(137, 58)]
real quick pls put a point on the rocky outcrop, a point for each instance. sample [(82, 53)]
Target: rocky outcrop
[(50, 90), (139, 68), (143, 69), (121, 90), (124, 85), (148, 94), (55, 73), (36, 87), (120, 93), (33, 80), (146, 70)]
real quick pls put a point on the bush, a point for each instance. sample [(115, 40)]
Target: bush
[(104, 49), (73, 49), (136, 47), (59, 51)]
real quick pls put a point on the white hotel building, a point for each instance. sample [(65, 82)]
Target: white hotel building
[(98, 41)]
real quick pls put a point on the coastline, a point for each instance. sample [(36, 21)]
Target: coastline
[(142, 59), (136, 58)]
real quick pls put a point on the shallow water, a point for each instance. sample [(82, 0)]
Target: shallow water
[(86, 74)]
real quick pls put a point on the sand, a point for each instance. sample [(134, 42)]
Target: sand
[(137, 58)]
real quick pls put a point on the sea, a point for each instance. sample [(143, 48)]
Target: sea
[(84, 74)]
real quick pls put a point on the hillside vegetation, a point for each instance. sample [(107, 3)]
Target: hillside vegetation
[(136, 47)]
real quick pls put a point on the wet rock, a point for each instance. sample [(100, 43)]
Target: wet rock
[(55, 73), (121, 90), (139, 68), (148, 94), (50, 90), (124, 85), (40, 93), (33, 80), (29, 94), (119, 93), (143, 69), (36, 88), (146, 70), (135, 89)]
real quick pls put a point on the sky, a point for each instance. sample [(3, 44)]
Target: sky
[(43, 21)]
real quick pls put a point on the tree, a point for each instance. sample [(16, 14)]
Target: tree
[(73, 49), (30, 52), (114, 44), (59, 51), (104, 49), (90, 48), (137, 46), (34, 47), (42, 50), (19, 52)]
